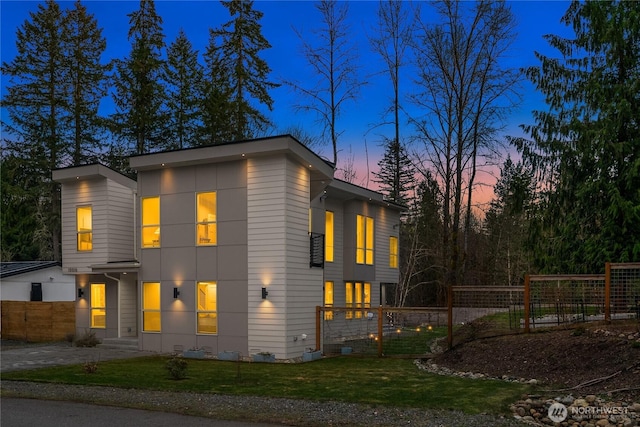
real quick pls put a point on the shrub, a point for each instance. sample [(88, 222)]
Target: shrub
[(90, 367), (177, 368), (87, 340)]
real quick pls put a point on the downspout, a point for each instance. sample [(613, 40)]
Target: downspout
[(119, 302)]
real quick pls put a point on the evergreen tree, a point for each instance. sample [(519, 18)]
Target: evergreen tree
[(587, 145), (239, 43), (37, 104), (215, 104), (506, 224), (87, 83), (183, 75), (140, 118), (396, 174)]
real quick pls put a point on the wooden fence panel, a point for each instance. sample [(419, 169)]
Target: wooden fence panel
[(37, 321)]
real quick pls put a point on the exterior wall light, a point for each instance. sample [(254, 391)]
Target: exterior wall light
[(176, 293), (264, 293), (80, 292)]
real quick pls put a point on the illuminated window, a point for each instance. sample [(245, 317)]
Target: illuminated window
[(328, 236), (328, 299), (206, 219), (98, 306), (207, 308), (358, 295), (151, 307), (393, 252), (364, 240), (150, 222), (84, 228)]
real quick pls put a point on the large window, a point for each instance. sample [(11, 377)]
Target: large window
[(328, 299), (98, 306), (150, 222), (207, 296), (357, 295), (393, 252), (328, 236), (206, 219), (151, 307), (84, 228), (364, 240)]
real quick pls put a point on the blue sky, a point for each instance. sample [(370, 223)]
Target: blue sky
[(534, 18)]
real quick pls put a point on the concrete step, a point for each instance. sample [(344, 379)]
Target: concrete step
[(120, 343)]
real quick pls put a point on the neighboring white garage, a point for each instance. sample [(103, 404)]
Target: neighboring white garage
[(35, 281)]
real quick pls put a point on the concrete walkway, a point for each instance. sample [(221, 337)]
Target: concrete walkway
[(18, 356)]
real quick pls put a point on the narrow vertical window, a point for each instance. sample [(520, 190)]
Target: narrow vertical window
[(364, 240), (151, 307), (84, 228), (207, 300), (393, 252), (328, 236), (348, 299), (358, 298), (98, 306), (328, 299), (150, 222), (206, 219), (367, 295)]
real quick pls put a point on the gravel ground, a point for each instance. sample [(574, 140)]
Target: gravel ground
[(258, 409)]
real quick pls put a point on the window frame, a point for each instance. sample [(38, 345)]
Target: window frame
[(200, 241), (206, 311), (365, 237), (84, 232), (157, 311), (394, 258), (97, 309), (357, 296), (328, 298), (329, 236), (148, 226)]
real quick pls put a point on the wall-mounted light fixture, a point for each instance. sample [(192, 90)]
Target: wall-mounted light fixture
[(264, 293), (80, 292), (176, 293)]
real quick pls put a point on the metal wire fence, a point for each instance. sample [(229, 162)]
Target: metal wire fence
[(477, 312)]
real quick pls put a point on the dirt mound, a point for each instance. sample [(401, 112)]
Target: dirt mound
[(559, 359)]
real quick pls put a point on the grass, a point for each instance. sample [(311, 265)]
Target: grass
[(386, 382)]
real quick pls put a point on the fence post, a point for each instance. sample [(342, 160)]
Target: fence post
[(380, 313), (527, 302), (318, 330), (607, 292)]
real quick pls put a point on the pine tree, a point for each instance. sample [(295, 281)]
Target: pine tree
[(37, 104), (240, 43), (215, 104), (587, 145), (87, 83), (183, 75), (396, 174), (140, 117)]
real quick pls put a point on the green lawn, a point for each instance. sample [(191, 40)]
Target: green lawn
[(389, 382)]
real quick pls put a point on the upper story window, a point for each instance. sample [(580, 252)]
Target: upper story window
[(150, 222), (207, 307), (151, 307), (328, 236), (393, 252), (206, 219), (84, 228), (364, 240)]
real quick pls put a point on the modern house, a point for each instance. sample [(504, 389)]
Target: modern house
[(228, 247)]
